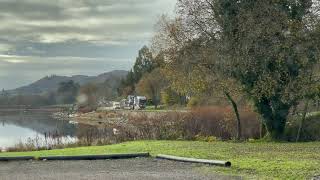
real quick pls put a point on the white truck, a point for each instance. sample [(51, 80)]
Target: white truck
[(137, 102), (140, 102)]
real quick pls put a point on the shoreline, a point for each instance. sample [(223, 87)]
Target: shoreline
[(108, 117), (92, 118)]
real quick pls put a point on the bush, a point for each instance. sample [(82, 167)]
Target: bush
[(169, 98), (206, 139), (155, 125), (211, 122), (194, 102), (310, 130)]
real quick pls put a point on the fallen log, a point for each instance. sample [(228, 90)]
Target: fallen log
[(94, 157), (19, 158), (193, 160)]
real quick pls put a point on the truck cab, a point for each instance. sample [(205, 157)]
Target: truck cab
[(140, 102)]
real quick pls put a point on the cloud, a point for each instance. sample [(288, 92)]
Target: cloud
[(92, 21), (5, 47), (39, 37)]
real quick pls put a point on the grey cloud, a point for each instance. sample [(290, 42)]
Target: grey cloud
[(82, 20), (30, 10), (37, 30), (81, 49)]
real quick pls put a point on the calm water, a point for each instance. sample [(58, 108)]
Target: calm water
[(23, 126)]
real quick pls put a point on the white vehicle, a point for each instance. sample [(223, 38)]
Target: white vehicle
[(135, 102), (140, 102), (130, 101), (116, 105)]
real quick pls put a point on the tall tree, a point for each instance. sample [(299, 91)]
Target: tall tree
[(144, 64), (269, 47), (192, 64), (151, 85)]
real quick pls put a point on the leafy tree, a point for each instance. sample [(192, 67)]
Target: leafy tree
[(170, 97), (151, 85), (144, 64), (269, 47), (127, 85), (192, 64)]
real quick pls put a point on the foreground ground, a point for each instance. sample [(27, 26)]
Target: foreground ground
[(145, 168), (251, 160)]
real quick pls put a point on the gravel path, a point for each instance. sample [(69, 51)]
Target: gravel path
[(144, 168)]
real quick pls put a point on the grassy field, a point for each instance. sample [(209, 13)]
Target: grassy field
[(251, 160)]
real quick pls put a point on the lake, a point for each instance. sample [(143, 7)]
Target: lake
[(36, 126)]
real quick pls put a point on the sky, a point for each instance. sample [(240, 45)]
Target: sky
[(73, 37)]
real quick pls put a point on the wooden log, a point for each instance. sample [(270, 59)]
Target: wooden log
[(193, 160), (95, 157), (19, 158)]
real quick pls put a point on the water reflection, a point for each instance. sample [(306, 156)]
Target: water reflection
[(25, 126)]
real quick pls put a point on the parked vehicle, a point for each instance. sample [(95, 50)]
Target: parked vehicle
[(116, 105), (130, 101), (140, 102), (124, 104), (136, 102)]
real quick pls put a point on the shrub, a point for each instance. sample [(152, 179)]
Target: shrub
[(221, 122), (310, 130), (194, 102), (200, 122), (206, 139), (155, 125)]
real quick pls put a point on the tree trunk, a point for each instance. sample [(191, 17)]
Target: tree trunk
[(305, 110), (274, 115), (235, 108), (279, 123), (261, 129), (155, 102)]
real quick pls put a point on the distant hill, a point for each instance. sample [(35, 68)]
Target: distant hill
[(51, 83)]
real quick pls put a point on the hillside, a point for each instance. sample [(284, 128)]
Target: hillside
[(51, 83)]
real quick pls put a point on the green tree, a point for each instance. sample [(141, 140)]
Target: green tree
[(170, 97), (192, 64), (127, 85), (144, 63), (269, 47), (151, 85)]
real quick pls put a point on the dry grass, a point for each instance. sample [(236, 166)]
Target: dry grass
[(209, 121), (207, 124)]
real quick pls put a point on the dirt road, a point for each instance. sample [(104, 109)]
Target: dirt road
[(144, 168)]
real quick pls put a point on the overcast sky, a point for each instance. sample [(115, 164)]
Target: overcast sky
[(71, 37)]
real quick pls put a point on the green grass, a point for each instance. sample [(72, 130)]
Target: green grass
[(251, 160)]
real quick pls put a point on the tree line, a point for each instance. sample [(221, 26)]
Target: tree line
[(68, 92), (146, 78), (266, 52)]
